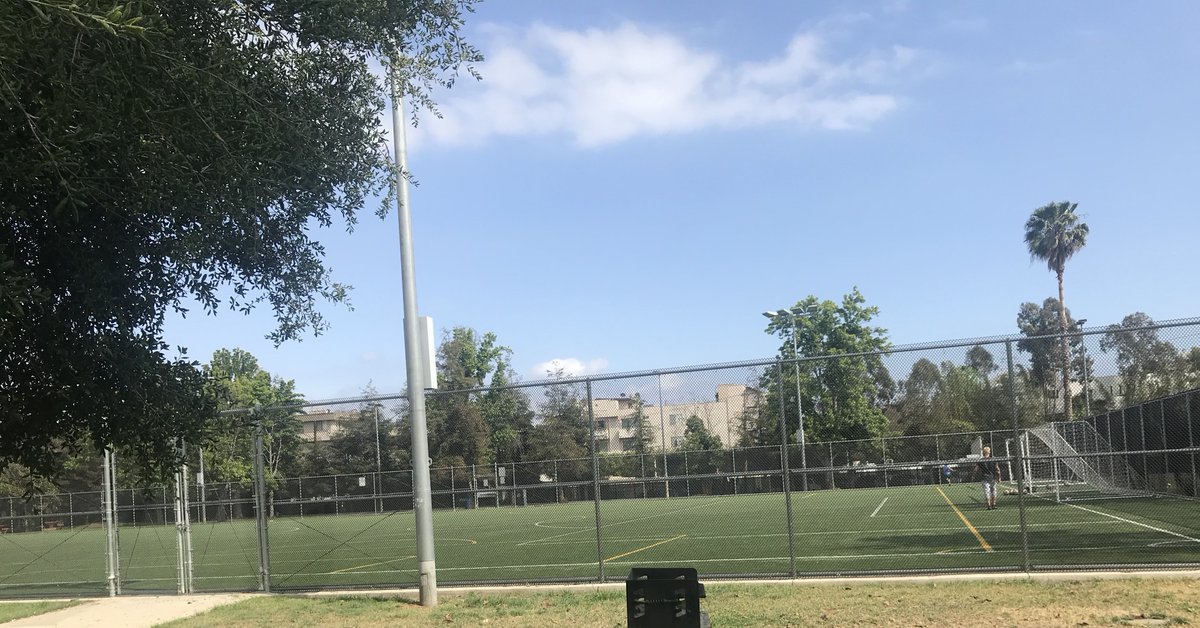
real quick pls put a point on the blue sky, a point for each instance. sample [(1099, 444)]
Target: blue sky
[(632, 183)]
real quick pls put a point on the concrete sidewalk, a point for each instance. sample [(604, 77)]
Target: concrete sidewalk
[(131, 611)]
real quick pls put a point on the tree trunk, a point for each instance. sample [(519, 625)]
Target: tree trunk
[(1062, 317)]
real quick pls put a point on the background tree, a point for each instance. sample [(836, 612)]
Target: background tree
[(704, 452), (1149, 366), (508, 414), (563, 432), (981, 361), (643, 430), (839, 393), (918, 390), (1054, 234), (1040, 326), (236, 381), (352, 449), (191, 169), (468, 425)]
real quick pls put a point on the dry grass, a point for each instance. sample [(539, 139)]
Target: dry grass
[(976, 603)]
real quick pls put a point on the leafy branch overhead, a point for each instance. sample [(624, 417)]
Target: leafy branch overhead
[(158, 153)]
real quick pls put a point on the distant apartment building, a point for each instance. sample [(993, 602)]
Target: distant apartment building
[(616, 425), (320, 425)]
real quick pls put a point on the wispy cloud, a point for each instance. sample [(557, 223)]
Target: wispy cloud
[(603, 86), (570, 367)]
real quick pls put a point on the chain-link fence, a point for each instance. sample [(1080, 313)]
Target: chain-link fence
[(949, 457)]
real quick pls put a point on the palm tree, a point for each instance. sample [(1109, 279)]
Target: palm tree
[(1054, 234)]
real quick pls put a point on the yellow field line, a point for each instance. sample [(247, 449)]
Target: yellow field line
[(382, 562), (986, 547), (642, 549)]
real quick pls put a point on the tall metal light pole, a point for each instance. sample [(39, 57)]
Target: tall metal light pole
[(793, 314), (1087, 380), (422, 503), (378, 462)]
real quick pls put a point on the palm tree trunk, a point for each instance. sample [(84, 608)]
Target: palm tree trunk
[(1062, 317)]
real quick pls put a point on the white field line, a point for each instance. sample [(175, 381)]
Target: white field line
[(879, 506), (653, 562), (717, 537), (767, 559), (1130, 521), (617, 523)]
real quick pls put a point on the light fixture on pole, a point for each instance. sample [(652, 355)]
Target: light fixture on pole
[(794, 315)]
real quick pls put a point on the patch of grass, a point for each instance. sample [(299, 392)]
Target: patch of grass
[(16, 610), (974, 603)]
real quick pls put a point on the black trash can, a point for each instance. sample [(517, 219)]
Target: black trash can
[(664, 596)]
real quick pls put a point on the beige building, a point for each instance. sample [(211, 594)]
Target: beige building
[(616, 426), (321, 424)]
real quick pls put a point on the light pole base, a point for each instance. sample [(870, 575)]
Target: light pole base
[(429, 596)]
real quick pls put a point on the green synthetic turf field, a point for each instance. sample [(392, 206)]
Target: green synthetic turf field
[(840, 531)]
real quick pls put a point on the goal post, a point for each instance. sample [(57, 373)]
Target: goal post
[(1072, 460)]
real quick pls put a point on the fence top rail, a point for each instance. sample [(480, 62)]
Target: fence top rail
[(569, 381)]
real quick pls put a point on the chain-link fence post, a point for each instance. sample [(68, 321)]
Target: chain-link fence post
[(787, 473), (687, 475), (107, 500), (595, 478), (1016, 434), (662, 429), (1192, 443), (183, 529), (260, 515)]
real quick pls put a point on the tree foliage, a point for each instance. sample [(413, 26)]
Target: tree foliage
[(563, 432), (839, 394), (1149, 366), (1040, 325), (162, 152), (476, 418), (237, 382)]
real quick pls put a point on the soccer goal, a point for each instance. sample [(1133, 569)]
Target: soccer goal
[(1071, 461)]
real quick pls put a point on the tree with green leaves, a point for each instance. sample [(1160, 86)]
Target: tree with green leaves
[(839, 381), (1040, 325), (563, 432), (1149, 366), (704, 452), (1054, 234), (643, 430), (237, 382), (363, 444), (980, 360), (475, 418), (158, 153)]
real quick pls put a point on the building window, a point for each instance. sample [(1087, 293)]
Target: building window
[(600, 426), (675, 417), (628, 424)]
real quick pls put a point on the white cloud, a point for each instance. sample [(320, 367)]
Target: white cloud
[(672, 381), (601, 87), (570, 367)]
